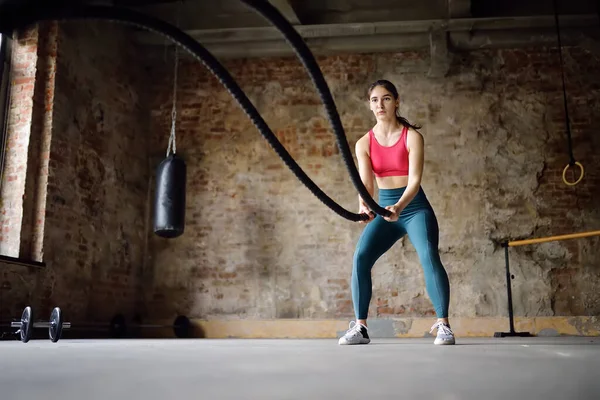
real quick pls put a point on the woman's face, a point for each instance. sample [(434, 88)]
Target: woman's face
[(382, 104)]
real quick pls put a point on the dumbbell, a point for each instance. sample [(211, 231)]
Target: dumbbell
[(26, 325)]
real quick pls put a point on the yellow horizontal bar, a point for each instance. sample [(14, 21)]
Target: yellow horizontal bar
[(553, 238)]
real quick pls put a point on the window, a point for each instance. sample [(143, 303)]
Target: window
[(4, 84), (11, 190)]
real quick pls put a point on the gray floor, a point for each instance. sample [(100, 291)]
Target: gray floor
[(482, 369)]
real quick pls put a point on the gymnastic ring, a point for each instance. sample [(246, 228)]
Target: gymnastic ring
[(565, 173)]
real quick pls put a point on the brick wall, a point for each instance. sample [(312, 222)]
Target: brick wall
[(97, 185), (38, 154), (32, 61), (24, 67), (94, 173), (260, 245), (257, 243)]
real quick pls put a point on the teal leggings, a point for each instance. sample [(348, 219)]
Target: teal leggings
[(419, 222)]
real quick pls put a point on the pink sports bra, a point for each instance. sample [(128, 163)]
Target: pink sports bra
[(392, 160)]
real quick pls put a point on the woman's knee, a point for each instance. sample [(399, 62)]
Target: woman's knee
[(363, 260)]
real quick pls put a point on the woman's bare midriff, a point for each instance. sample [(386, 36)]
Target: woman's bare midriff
[(392, 182)]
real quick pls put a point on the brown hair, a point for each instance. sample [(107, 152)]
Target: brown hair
[(389, 86)]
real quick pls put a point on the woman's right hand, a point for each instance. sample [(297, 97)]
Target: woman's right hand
[(364, 209)]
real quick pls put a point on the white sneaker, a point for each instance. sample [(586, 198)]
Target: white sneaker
[(357, 334), (444, 333)]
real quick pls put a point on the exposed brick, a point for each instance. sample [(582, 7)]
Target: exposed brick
[(260, 245), (19, 128), (88, 220), (495, 138)]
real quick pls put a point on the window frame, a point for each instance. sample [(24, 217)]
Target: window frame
[(5, 46)]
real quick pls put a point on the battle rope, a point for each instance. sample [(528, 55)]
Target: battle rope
[(14, 17), (273, 15)]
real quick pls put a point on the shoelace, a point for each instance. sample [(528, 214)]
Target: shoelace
[(353, 327), (441, 327)]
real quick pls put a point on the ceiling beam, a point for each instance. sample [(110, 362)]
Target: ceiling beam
[(467, 25), (286, 8), (440, 36), (134, 3)]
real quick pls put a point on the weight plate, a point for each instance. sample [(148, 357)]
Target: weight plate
[(56, 325), (26, 324), (182, 327), (118, 327)]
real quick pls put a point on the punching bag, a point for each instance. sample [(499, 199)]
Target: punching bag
[(169, 200)]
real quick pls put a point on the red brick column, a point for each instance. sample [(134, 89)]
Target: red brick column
[(22, 83), (34, 203)]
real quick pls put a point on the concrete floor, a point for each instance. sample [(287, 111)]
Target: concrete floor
[(482, 369)]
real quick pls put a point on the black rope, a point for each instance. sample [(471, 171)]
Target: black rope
[(273, 15), (562, 73), (13, 16)]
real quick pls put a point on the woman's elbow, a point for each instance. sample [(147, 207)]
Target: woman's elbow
[(414, 181)]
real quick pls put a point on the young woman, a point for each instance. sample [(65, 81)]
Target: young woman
[(392, 154)]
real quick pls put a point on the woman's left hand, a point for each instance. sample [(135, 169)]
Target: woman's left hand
[(395, 213)]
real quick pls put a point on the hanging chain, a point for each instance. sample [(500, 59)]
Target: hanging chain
[(172, 141)]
